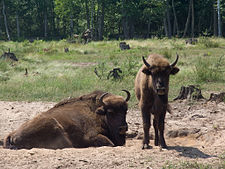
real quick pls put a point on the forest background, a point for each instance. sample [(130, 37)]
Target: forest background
[(110, 19)]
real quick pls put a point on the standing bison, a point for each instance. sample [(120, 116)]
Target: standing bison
[(151, 88), (96, 119)]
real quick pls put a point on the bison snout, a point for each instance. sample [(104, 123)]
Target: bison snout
[(123, 130), (161, 91)]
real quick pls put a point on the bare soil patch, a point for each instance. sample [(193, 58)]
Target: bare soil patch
[(195, 132)]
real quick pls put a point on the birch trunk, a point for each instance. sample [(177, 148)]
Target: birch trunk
[(219, 19), (149, 26), (5, 20), (87, 14), (92, 18), (175, 27), (188, 20), (101, 21), (215, 29), (45, 25), (71, 26), (193, 19), (168, 19), (125, 22), (165, 26), (17, 25)]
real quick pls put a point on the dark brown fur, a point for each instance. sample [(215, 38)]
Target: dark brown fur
[(151, 88), (77, 122)]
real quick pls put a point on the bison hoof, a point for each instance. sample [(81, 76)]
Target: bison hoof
[(164, 146), (146, 146)]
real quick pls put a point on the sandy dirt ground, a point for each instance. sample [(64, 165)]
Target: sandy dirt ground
[(195, 132)]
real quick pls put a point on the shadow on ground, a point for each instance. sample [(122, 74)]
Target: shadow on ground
[(190, 152)]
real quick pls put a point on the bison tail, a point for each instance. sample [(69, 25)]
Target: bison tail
[(169, 109)]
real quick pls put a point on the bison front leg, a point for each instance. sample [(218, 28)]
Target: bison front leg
[(155, 124), (146, 117), (101, 140), (161, 131)]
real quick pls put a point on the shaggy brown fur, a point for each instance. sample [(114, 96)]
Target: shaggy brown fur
[(151, 88), (96, 119)]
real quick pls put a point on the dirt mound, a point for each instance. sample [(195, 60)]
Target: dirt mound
[(195, 132)]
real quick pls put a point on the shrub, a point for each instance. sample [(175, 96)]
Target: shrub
[(206, 71), (167, 53), (208, 43), (3, 65), (130, 65)]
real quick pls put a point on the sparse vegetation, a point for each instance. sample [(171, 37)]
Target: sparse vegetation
[(208, 70), (54, 74), (189, 165), (208, 42)]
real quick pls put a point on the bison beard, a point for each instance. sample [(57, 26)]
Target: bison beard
[(96, 119), (151, 88)]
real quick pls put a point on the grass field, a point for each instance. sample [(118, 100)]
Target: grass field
[(54, 75)]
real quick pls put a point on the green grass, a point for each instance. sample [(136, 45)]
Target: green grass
[(196, 165), (54, 74), (191, 165)]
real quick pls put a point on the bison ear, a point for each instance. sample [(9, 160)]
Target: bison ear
[(174, 70), (146, 71), (100, 111)]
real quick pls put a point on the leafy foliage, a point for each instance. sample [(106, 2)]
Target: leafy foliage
[(57, 19)]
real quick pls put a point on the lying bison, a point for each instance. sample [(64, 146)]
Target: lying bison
[(96, 119), (151, 88)]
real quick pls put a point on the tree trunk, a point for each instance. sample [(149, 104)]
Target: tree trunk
[(45, 23), (53, 24), (199, 25), (165, 25), (132, 29), (97, 21), (168, 19), (148, 30), (71, 26), (219, 19), (125, 23), (125, 27), (175, 27), (193, 19), (92, 17), (64, 26), (5, 20), (215, 30), (87, 14), (188, 20), (101, 21), (17, 25)]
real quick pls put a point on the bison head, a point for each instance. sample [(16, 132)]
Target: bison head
[(114, 108), (160, 70)]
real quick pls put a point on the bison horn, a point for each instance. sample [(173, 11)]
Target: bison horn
[(128, 95), (175, 62), (145, 62), (101, 98)]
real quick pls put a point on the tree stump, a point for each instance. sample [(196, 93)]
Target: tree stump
[(86, 35), (124, 46), (66, 50), (217, 97), (191, 93), (115, 73), (9, 55), (191, 41)]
